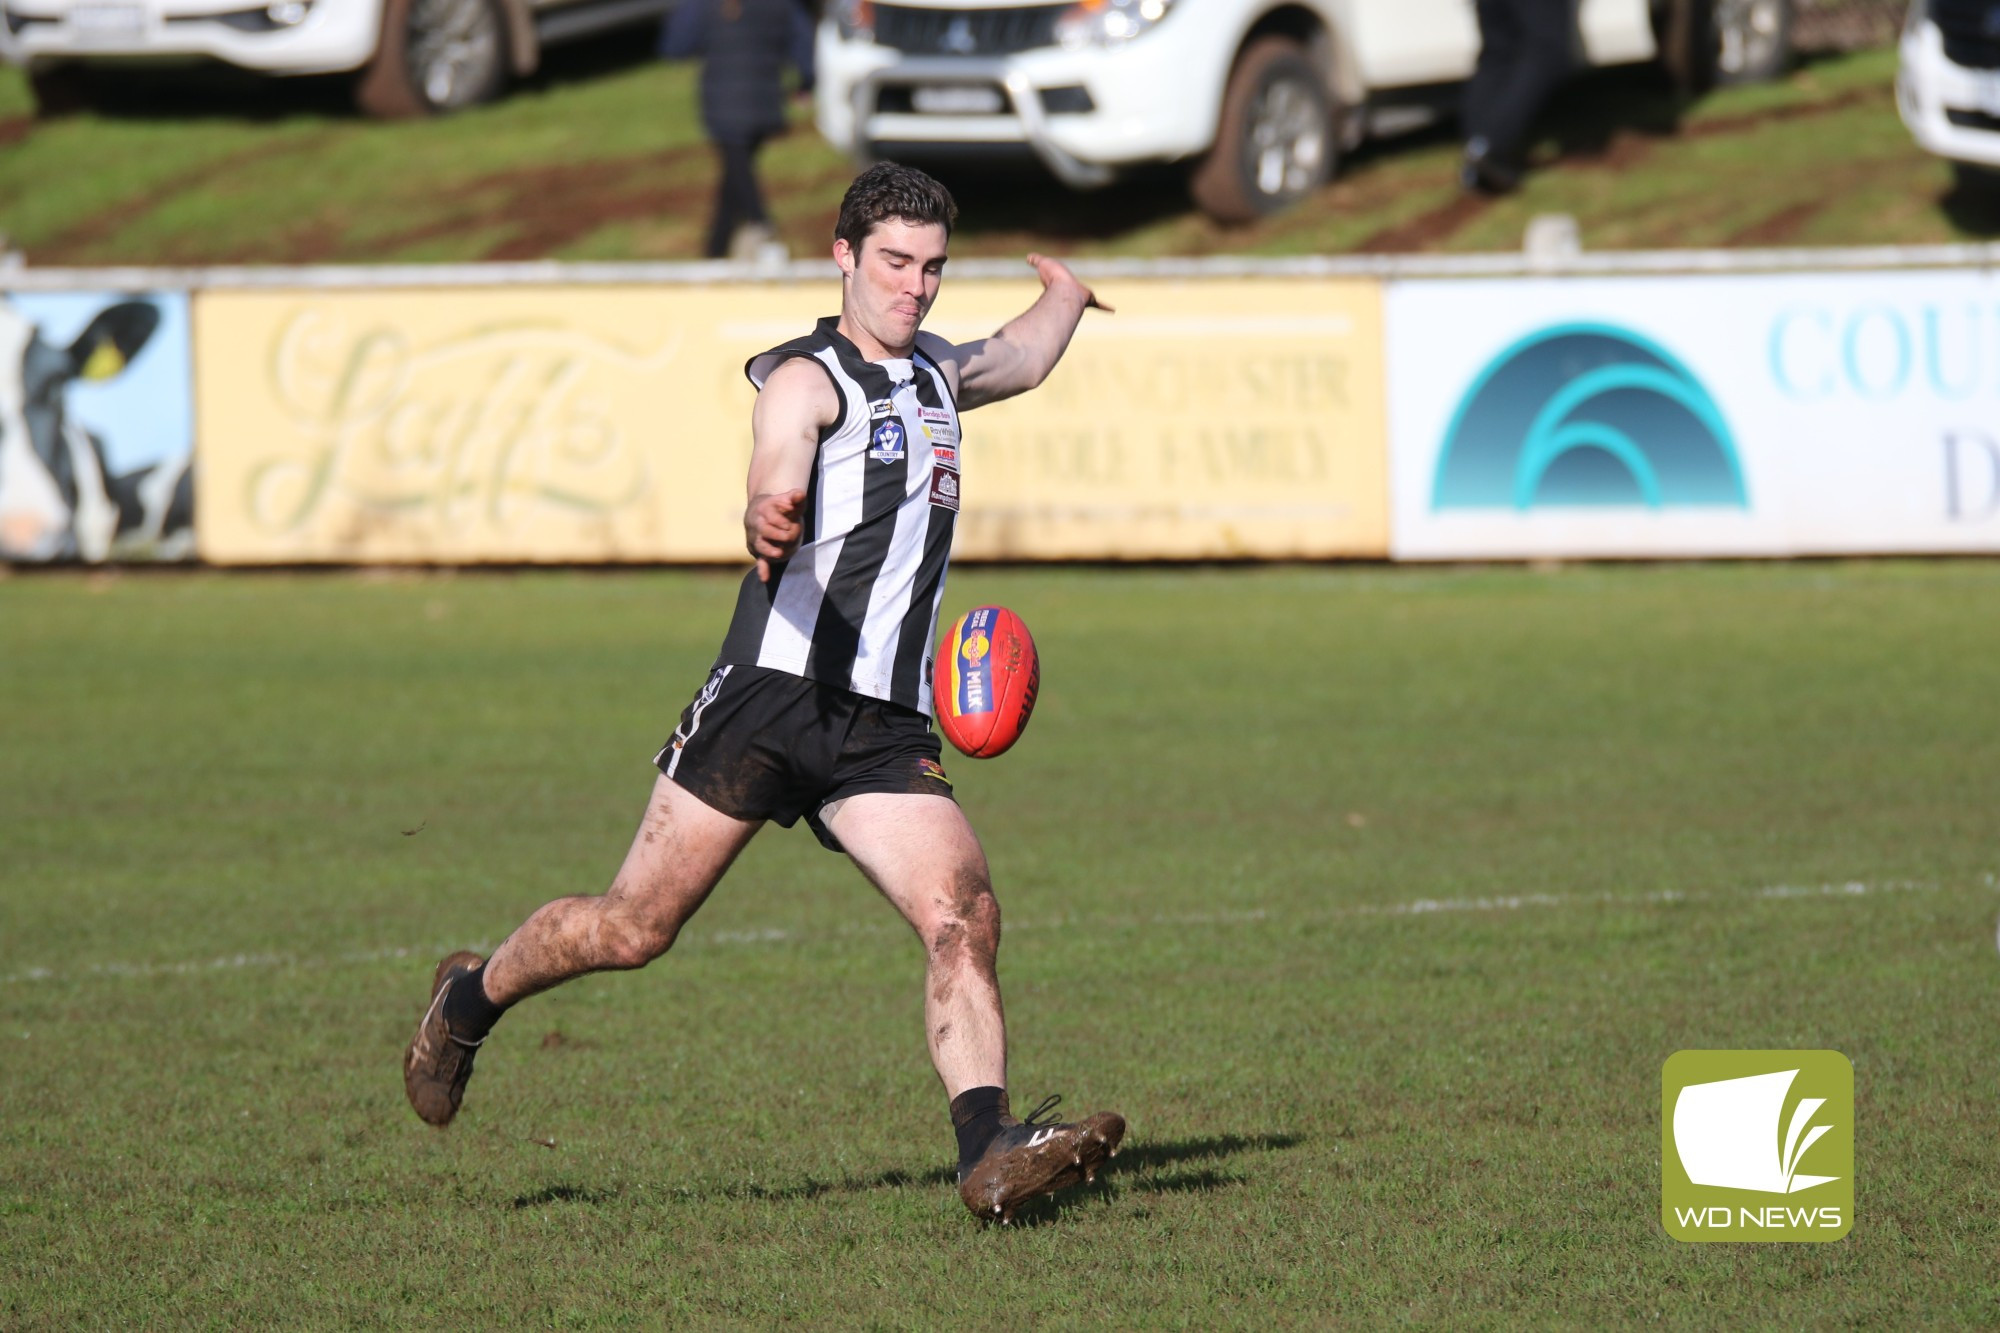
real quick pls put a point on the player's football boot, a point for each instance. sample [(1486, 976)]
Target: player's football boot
[(437, 1065), (1037, 1156)]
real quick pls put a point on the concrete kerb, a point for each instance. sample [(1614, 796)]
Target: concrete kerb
[(1503, 264)]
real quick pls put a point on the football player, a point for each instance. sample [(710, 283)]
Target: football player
[(818, 704)]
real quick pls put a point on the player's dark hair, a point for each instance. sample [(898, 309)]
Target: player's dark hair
[(890, 190)]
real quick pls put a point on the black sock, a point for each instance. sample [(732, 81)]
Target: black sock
[(467, 1011), (975, 1115)]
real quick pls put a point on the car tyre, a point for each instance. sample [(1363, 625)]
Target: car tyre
[(1980, 184), (435, 56), (1720, 43), (61, 90), (1274, 143)]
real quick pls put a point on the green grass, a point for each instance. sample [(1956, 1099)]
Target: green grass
[(602, 157), (216, 930)]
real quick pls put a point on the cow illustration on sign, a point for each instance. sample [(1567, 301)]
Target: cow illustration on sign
[(61, 497)]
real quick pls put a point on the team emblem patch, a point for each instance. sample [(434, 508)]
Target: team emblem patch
[(888, 442), (944, 488)]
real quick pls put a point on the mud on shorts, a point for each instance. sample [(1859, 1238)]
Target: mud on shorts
[(762, 744)]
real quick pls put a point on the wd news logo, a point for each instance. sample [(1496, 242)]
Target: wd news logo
[(1588, 416), (1757, 1145)]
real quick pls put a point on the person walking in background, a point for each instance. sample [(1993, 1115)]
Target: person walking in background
[(745, 46), (1525, 52)]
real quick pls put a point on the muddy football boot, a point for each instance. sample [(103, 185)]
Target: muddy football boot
[(437, 1065), (1037, 1156)]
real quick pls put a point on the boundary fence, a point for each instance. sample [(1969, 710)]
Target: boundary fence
[(1494, 406)]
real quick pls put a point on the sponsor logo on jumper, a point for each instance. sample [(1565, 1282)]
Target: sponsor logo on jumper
[(880, 408), (1587, 416), (887, 442), (1739, 1127), (944, 487), (945, 454), (939, 423)]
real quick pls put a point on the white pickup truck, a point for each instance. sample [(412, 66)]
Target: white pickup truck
[(1948, 86), (1259, 97), (408, 57)]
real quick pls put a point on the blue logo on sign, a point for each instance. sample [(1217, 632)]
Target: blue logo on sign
[(887, 441), (1587, 415)]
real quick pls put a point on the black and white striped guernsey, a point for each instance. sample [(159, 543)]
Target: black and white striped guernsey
[(856, 605)]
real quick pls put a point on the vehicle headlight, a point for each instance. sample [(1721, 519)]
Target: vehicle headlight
[(855, 19), (1108, 22)]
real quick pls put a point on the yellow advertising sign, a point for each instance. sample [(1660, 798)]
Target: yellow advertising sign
[(580, 424), (1206, 419), (504, 424)]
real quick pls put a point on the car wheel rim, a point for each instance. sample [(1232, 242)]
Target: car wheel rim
[(1287, 139), (454, 49), (1749, 32)]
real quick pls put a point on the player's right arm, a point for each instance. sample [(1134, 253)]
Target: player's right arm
[(797, 402)]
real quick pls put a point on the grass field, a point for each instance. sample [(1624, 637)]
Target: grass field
[(601, 157), (1374, 898)]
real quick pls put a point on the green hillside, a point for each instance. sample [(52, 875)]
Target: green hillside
[(601, 157)]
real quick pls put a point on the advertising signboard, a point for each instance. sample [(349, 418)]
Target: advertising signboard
[(96, 426), (1216, 418), (1695, 416), (500, 424), (1205, 419)]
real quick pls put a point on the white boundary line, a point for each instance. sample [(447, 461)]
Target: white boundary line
[(1501, 264), (1420, 907)]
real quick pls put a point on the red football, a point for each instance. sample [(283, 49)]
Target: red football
[(986, 679)]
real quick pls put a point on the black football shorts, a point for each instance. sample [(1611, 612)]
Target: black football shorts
[(763, 744)]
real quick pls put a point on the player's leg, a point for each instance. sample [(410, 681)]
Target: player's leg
[(681, 850), (921, 852)]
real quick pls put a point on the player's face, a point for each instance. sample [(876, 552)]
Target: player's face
[(893, 279)]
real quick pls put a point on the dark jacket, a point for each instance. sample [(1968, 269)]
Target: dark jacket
[(745, 46)]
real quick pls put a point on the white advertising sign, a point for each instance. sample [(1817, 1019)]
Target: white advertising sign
[(1695, 416)]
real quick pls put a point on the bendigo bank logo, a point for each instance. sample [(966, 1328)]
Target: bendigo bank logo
[(1757, 1145), (1587, 415)]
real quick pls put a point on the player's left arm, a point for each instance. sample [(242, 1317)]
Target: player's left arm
[(1021, 355)]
